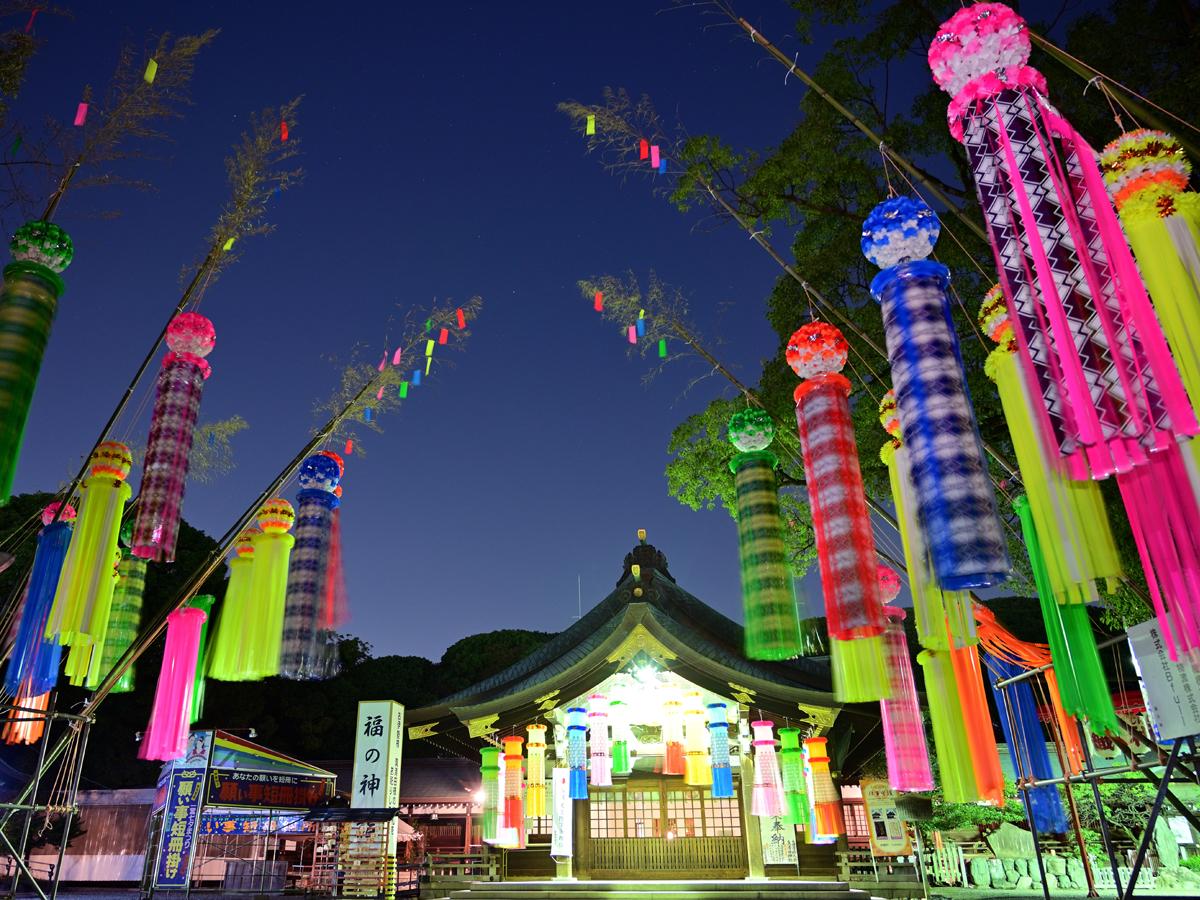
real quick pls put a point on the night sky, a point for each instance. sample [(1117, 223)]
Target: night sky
[(436, 165)]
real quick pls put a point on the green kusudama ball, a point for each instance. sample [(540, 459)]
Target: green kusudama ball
[(751, 429), (44, 243)]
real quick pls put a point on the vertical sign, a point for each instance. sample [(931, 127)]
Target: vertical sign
[(181, 815), (884, 822), (1172, 689), (378, 744), (562, 822), (778, 841)]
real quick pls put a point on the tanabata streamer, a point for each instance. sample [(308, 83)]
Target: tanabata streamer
[(283, 131), (718, 748), (443, 335), (81, 112), (577, 758), (697, 769), (985, 760), (772, 629), (151, 71), (1082, 683), (28, 301), (489, 770), (34, 659), (956, 770), (83, 599), (232, 654), (125, 616), (842, 525), (268, 588), (654, 156), (591, 125), (601, 760), (204, 603), (795, 794), (461, 318), (309, 649), (766, 799), (1110, 397), (903, 731), (933, 608), (190, 337), (618, 717), (1027, 743), (166, 735), (535, 771), (955, 503), (598, 302), (1147, 175), (1079, 550), (643, 148), (514, 808), (674, 758), (25, 725), (827, 802)]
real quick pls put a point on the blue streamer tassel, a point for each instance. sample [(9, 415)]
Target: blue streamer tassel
[(33, 657)]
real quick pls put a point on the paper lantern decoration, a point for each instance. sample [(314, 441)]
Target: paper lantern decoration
[(125, 616), (577, 758), (618, 717), (1027, 746), (772, 629), (166, 735), (1109, 397), (489, 770), (827, 802), (674, 757), (34, 659), (190, 337), (766, 799), (903, 731), (309, 649), (272, 549), (955, 503), (718, 750), (1081, 680), (1147, 175), (535, 771), (795, 793), (514, 808), (933, 608), (601, 761), (229, 659), (83, 598), (28, 301), (841, 522), (697, 769), (1079, 550)]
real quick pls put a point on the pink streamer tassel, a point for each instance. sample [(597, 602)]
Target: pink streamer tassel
[(166, 735), (633, 334), (903, 732), (654, 156), (396, 356), (80, 115)]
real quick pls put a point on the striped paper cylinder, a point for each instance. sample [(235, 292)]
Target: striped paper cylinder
[(28, 301), (903, 731), (963, 532), (513, 810), (535, 771), (674, 758), (124, 620), (577, 758), (841, 521), (772, 627), (718, 748), (601, 761), (766, 799), (190, 337), (489, 770), (308, 650)]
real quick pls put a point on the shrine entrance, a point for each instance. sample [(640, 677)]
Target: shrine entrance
[(660, 828)]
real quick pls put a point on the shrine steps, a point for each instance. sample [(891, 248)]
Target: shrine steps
[(659, 890)]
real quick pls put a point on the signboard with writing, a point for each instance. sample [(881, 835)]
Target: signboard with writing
[(778, 841), (885, 825), (562, 820), (268, 790), (181, 815), (240, 823), (1172, 689), (378, 742)]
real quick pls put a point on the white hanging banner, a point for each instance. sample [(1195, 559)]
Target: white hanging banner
[(778, 841), (1172, 689), (563, 820)]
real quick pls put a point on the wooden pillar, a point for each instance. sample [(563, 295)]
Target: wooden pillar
[(581, 835), (754, 850)]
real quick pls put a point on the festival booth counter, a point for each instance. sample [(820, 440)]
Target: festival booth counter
[(231, 816)]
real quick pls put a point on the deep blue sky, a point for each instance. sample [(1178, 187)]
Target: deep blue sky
[(436, 165)]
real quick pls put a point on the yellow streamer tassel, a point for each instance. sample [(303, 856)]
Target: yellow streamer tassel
[(859, 669)]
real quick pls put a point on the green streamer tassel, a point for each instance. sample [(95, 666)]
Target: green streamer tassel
[(123, 621), (791, 764), (204, 602), (1081, 680)]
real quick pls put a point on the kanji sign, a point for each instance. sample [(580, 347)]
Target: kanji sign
[(885, 825), (1172, 688), (181, 815), (268, 790), (240, 823), (378, 742)]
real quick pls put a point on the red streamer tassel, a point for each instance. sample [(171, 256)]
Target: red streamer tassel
[(643, 148), (443, 335), (349, 447), (462, 319), (599, 304), (333, 609), (283, 131)]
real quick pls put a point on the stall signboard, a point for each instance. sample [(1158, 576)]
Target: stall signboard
[(378, 742), (181, 815), (267, 790), (217, 822), (1172, 688), (885, 825)]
